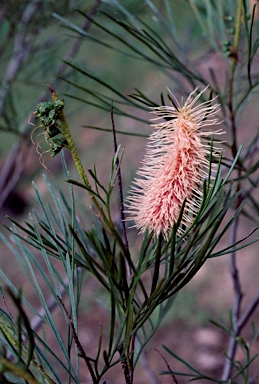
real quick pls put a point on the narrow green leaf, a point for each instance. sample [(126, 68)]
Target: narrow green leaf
[(157, 264), (117, 131)]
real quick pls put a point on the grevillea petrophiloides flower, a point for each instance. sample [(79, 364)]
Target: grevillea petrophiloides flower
[(174, 167)]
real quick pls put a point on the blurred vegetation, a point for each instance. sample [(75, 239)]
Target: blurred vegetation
[(114, 59)]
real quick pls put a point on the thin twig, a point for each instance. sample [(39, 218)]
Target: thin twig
[(231, 349), (168, 367), (232, 345), (76, 46), (248, 312), (78, 344), (235, 274), (239, 320), (234, 63)]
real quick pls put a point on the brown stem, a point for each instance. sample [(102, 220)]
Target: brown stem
[(124, 364), (168, 367), (78, 344)]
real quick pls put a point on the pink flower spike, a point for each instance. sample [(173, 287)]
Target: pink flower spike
[(174, 167)]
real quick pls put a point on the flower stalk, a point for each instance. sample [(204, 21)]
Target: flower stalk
[(71, 145)]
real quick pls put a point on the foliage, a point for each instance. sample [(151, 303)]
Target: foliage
[(58, 251)]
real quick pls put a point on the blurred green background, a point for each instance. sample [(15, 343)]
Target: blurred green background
[(34, 42)]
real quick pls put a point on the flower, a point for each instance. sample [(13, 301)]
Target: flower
[(174, 167)]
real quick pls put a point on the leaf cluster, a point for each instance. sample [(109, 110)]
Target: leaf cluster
[(139, 283), (136, 287)]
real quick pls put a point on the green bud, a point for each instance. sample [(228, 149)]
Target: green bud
[(59, 104)]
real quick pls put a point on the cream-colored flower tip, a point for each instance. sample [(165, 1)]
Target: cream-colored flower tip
[(174, 167)]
